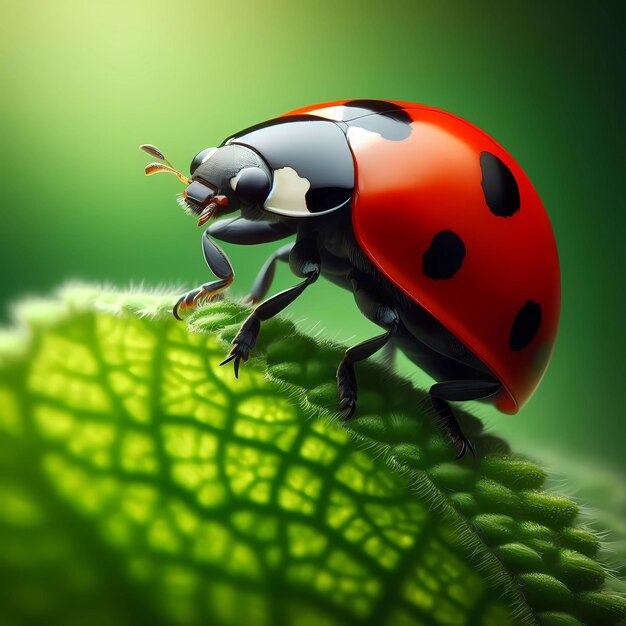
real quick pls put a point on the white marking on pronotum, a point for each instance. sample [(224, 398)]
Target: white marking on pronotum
[(287, 196)]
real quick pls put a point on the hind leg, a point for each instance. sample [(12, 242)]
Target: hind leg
[(460, 390)]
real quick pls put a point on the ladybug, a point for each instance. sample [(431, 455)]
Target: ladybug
[(431, 224)]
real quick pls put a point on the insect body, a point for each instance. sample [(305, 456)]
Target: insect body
[(425, 218)]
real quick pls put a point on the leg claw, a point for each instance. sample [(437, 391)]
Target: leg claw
[(244, 342), (189, 301), (347, 387), (347, 404), (239, 352), (464, 445), (193, 298)]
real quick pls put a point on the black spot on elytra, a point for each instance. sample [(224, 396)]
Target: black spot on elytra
[(387, 119), (444, 257), (525, 326), (499, 186)]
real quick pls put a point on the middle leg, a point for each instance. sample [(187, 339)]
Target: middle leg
[(377, 311), (263, 281), (304, 262)]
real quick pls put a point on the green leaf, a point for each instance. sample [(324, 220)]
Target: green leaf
[(141, 483)]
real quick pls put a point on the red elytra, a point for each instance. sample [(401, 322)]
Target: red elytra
[(407, 191)]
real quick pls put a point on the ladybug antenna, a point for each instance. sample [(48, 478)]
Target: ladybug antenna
[(155, 152), (155, 168)]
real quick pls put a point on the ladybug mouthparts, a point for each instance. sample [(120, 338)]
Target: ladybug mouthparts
[(198, 194), (201, 199)]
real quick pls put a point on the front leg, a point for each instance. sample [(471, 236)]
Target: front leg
[(220, 265), (233, 230), (304, 262)]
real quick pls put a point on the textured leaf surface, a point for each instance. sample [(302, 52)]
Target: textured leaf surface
[(142, 483)]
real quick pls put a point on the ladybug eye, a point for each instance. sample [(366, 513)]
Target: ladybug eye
[(252, 185), (200, 158)]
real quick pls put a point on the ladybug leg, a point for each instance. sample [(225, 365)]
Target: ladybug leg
[(219, 264), (304, 262), (378, 312), (243, 232), (452, 390), (389, 354), (265, 276), (235, 230)]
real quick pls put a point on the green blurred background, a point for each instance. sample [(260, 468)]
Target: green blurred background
[(84, 83)]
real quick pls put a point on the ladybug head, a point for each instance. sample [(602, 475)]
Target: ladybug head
[(223, 180)]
